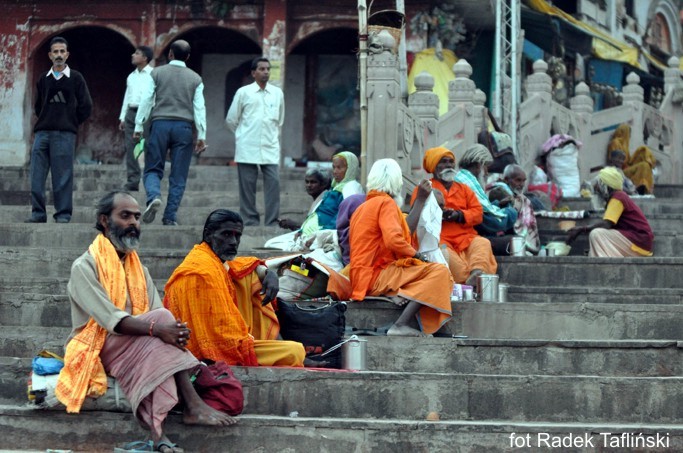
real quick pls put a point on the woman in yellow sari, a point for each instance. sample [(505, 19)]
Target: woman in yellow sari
[(637, 167)]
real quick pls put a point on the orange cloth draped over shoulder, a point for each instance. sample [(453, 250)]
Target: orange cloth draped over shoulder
[(222, 305), (382, 262), (202, 293), (83, 373)]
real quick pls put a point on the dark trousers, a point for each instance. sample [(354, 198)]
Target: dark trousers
[(53, 151), (248, 175), (133, 171), (175, 135)]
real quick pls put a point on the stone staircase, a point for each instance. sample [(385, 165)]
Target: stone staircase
[(584, 346)]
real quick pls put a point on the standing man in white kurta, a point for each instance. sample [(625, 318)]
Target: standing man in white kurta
[(135, 85), (256, 116)]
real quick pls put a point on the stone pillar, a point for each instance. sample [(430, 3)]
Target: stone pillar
[(275, 38), (424, 103), (384, 101), (582, 103), (582, 106), (634, 95), (540, 83), (461, 90), (633, 92), (672, 75)]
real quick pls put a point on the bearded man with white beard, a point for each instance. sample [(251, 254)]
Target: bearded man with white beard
[(118, 320), (469, 254)]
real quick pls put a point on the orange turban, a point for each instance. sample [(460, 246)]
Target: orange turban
[(433, 156)]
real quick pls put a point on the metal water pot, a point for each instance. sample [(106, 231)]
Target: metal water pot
[(516, 246), (487, 287), (354, 353)]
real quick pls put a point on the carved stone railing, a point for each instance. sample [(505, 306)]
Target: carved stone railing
[(404, 132)]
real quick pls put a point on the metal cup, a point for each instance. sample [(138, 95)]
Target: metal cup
[(467, 294)]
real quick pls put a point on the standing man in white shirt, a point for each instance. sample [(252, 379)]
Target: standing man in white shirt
[(256, 116), (135, 83), (173, 101)]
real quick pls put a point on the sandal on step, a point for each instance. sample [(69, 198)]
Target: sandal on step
[(138, 446), (168, 444)]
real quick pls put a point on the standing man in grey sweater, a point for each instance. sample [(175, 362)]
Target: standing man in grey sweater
[(175, 98)]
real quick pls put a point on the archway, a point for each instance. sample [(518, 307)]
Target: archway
[(103, 57), (323, 70), (217, 53)]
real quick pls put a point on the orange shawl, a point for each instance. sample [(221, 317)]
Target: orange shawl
[(202, 293), (83, 374), (379, 236)]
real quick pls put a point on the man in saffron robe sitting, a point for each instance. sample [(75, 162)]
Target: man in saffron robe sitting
[(226, 300), (384, 263), (120, 329), (469, 254)]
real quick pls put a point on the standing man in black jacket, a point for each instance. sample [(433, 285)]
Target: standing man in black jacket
[(62, 104)]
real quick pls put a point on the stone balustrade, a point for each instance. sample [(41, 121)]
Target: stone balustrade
[(404, 131)]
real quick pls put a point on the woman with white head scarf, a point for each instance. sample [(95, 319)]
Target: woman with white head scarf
[(345, 172)]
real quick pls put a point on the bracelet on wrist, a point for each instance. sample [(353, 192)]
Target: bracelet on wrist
[(151, 328)]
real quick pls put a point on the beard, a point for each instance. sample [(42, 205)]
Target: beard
[(398, 199), (121, 238), (448, 174), (481, 178)]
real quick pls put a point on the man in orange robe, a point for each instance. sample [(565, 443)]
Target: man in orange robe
[(384, 263), (469, 254), (226, 300)]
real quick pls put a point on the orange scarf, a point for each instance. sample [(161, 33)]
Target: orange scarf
[(83, 374), (202, 293)]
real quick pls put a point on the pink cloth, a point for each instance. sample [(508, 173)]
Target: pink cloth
[(559, 140), (144, 367)]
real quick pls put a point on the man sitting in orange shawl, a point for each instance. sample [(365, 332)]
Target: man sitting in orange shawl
[(469, 254), (120, 329), (226, 300), (384, 263)]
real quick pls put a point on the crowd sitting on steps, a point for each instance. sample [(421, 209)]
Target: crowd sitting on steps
[(218, 307)]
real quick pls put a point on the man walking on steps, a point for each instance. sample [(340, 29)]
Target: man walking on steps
[(175, 98), (135, 83)]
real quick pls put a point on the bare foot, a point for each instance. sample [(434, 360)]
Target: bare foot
[(398, 300), (472, 279), (403, 331), (310, 363), (206, 415)]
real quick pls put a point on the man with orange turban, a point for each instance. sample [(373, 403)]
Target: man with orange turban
[(469, 254)]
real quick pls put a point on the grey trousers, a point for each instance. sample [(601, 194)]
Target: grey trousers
[(248, 175), (133, 171)]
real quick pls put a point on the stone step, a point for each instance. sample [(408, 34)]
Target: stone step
[(39, 306), (546, 321), (49, 326), (118, 172), (405, 395), (595, 295), (658, 222), (294, 208), (649, 272), (56, 262), (666, 244), (291, 202), (26, 428), (669, 190), (78, 236)]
